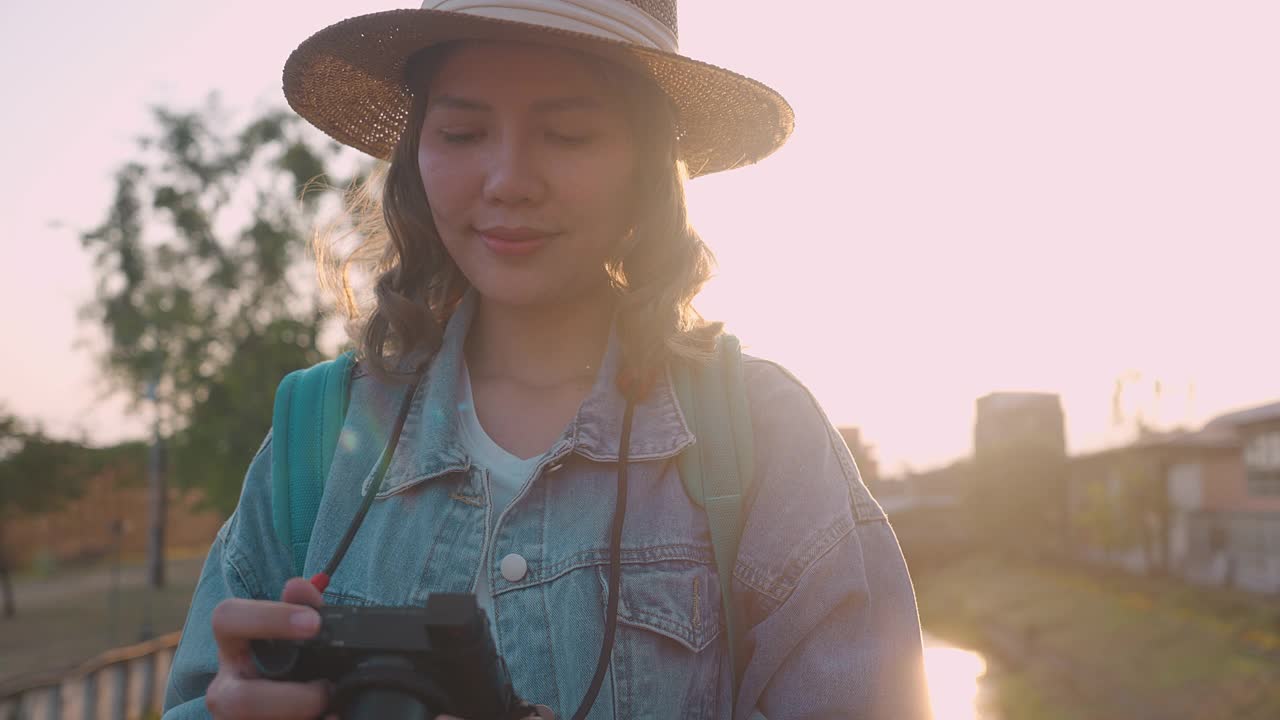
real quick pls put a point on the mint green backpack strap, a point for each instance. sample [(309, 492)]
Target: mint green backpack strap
[(718, 470), (309, 407)]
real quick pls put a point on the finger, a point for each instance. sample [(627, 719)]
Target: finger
[(246, 699), (236, 621), (302, 592)]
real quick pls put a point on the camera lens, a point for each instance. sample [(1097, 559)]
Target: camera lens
[(381, 703), (275, 659), (388, 686)]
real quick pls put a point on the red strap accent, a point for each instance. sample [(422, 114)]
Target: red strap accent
[(320, 581)]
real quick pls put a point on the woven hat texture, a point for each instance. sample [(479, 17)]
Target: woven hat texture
[(349, 79)]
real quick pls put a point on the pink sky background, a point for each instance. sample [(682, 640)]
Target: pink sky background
[(979, 196)]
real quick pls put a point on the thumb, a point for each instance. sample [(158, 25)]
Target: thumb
[(301, 592)]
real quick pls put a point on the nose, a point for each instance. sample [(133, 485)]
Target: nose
[(514, 176)]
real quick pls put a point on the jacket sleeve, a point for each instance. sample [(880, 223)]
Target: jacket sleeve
[(834, 630), (247, 561)]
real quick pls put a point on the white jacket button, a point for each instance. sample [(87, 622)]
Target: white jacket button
[(514, 567)]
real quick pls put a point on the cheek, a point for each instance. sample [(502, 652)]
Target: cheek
[(605, 193), (446, 187), (436, 192)]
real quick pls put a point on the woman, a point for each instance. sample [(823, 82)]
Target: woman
[(533, 274)]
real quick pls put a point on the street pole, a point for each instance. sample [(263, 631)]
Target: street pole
[(155, 535), (155, 548), (117, 535)]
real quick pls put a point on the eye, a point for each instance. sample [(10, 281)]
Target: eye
[(569, 139), (458, 137)]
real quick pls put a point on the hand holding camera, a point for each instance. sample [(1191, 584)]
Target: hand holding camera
[(287, 660), (238, 690)]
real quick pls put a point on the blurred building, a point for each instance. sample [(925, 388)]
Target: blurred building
[(939, 487), (863, 454), (1008, 420), (1202, 505), (925, 509), (1017, 491)]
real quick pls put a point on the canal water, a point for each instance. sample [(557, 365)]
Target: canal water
[(959, 686)]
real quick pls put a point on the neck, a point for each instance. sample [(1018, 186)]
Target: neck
[(538, 346)]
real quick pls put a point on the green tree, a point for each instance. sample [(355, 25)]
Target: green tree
[(1104, 516), (204, 291), (37, 473), (1143, 501)]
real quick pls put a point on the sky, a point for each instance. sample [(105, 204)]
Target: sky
[(980, 196)]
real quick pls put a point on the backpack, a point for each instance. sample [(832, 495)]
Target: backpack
[(311, 404)]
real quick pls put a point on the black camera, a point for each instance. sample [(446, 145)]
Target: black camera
[(390, 662)]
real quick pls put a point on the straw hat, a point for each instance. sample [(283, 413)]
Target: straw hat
[(349, 78)]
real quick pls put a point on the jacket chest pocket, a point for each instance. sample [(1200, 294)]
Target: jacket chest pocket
[(668, 658)]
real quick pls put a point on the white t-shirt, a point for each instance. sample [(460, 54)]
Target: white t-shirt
[(507, 473)]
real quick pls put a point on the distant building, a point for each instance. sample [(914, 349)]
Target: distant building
[(863, 454), (1215, 504), (936, 487), (1007, 420), (925, 509), (1017, 488), (1232, 466), (1258, 430)]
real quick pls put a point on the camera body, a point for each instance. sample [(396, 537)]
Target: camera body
[(401, 662)]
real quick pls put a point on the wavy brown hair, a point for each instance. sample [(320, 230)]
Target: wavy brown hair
[(398, 286)]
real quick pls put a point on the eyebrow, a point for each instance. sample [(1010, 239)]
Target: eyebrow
[(574, 102)]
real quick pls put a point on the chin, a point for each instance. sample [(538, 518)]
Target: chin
[(513, 298), (527, 292), (515, 291)]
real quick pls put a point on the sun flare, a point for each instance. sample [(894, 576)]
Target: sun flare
[(954, 675)]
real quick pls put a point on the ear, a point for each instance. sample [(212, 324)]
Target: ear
[(626, 243)]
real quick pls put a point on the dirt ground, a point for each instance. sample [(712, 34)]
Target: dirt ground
[(69, 618)]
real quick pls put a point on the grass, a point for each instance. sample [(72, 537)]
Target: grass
[(1019, 697), (1096, 646), (1110, 645), (61, 632)]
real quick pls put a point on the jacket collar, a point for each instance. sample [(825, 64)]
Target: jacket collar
[(430, 446)]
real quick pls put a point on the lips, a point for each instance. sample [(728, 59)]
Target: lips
[(514, 241)]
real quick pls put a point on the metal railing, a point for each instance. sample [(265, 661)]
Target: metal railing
[(122, 684)]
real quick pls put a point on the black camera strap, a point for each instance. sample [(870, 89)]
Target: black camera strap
[(321, 580), (615, 566)]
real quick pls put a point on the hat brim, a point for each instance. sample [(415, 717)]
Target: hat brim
[(349, 81)]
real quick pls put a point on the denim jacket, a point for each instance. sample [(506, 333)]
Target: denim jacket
[(830, 611)]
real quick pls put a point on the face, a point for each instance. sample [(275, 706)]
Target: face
[(528, 162)]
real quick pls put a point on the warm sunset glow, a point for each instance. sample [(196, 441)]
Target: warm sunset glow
[(953, 682), (978, 196)]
